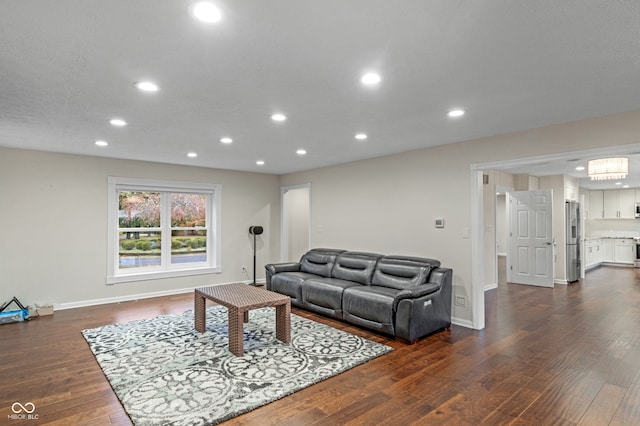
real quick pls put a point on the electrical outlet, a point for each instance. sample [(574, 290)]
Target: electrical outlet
[(461, 301)]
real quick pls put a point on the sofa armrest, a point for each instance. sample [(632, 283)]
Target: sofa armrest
[(415, 292), (420, 316), (275, 268), (437, 279)]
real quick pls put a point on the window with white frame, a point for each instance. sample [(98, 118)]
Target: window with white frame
[(161, 229)]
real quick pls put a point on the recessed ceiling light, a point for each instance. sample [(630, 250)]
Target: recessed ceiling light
[(301, 152), (580, 168), (370, 79), (278, 117), (118, 122), (260, 163), (618, 183), (455, 113), (625, 186), (147, 86), (206, 12), (361, 136), (192, 154), (226, 140), (102, 144)]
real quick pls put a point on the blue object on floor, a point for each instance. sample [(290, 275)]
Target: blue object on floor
[(13, 316)]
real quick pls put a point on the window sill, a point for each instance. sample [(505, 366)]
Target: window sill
[(145, 276)]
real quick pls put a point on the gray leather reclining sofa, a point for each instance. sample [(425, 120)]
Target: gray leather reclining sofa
[(407, 297)]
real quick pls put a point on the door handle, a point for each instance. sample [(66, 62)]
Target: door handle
[(548, 243)]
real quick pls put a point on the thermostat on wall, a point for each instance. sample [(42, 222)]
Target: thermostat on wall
[(440, 222)]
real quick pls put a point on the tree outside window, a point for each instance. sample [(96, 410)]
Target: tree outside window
[(163, 229)]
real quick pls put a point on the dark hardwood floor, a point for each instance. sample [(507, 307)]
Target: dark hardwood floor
[(563, 356)]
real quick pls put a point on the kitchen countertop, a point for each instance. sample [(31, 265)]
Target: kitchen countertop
[(609, 238)]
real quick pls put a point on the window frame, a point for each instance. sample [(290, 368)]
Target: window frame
[(167, 269)]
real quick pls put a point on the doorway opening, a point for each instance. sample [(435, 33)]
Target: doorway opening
[(296, 221), (479, 196)]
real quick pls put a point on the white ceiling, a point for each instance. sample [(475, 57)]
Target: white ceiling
[(68, 66)]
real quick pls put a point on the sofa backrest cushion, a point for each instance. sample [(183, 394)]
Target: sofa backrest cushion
[(355, 266), (319, 261), (402, 272)]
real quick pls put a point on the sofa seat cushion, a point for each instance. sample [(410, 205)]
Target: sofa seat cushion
[(371, 303), (324, 295), (290, 283)]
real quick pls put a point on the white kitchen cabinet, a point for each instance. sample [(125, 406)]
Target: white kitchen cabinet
[(627, 203), (613, 250), (608, 253), (593, 253), (619, 203), (588, 254), (598, 251), (624, 250), (610, 204), (596, 204)]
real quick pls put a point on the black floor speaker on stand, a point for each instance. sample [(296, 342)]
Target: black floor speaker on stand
[(255, 230)]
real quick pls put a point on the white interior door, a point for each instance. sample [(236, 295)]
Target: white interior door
[(530, 254)]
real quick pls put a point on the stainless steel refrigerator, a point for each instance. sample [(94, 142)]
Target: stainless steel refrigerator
[(573, 240)]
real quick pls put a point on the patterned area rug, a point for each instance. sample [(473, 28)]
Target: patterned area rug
[(165, 372)]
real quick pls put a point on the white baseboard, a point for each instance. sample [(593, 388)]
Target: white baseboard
[(620, 265), (490, 286), (130, 297), (462, 322)]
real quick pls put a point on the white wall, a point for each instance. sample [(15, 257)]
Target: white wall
[(57, 203), (501, 224), (389, 204), (489, 215), (571, 188), (54, 225)]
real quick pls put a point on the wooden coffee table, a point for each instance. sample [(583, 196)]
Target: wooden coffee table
[(239, 299)]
